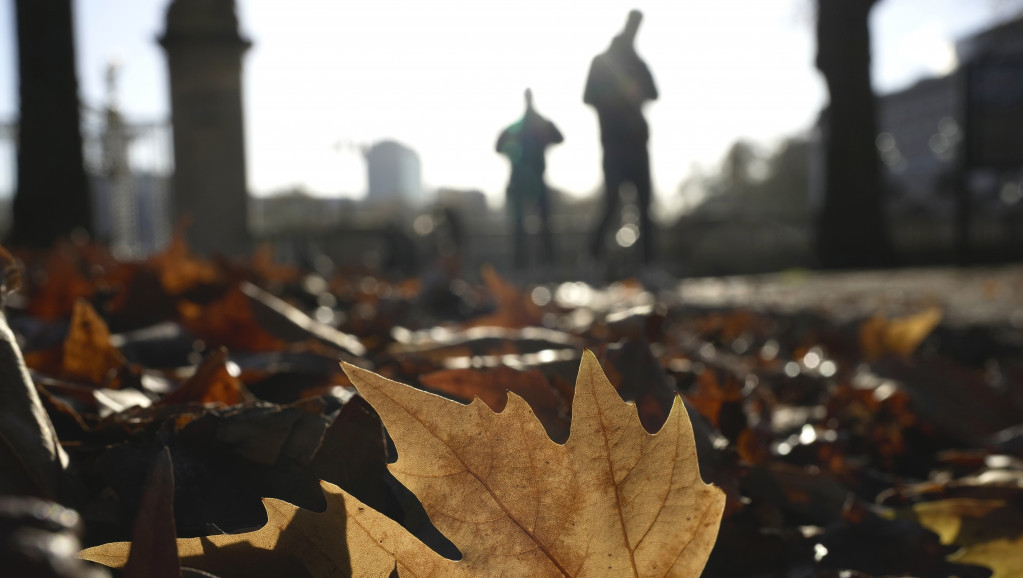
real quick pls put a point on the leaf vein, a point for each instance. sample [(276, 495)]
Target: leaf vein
[(708, 504), (664, 498), (550, 555), (618, 496)]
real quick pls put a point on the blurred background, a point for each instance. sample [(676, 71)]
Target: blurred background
[(364, 131)]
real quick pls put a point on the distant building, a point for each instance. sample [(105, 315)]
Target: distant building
[(394, 173)]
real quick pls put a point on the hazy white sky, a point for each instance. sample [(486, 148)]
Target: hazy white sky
[(446, 76)]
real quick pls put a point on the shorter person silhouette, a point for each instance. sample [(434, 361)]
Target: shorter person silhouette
[(525, 144), (618, 85)]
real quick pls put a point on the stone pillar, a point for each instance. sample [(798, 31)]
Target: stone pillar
[(204, 57)]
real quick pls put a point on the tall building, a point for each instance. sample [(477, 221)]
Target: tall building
[(394, 173), (204, 57)]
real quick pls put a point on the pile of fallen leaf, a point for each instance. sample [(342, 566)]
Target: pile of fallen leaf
[(197, 410)]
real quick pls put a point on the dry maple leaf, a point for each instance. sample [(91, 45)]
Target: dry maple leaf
[(613, 501)]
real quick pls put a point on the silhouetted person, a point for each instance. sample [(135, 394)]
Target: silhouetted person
[(618, 84), (525, 144), (400, 254), (448, 237), (850, 225)]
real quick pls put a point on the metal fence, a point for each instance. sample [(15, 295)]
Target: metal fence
[(129, 166)]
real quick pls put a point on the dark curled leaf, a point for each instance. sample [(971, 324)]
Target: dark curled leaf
[(154, 551), (31, 459)]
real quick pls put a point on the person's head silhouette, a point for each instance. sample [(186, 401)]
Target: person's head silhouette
[(632, 25)]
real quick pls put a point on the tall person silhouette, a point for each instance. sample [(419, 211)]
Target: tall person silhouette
[(525, 144), (618, 85)]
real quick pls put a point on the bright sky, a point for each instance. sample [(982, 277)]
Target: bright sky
[(446, 76)]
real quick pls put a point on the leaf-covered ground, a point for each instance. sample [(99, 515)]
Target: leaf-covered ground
[(858, 425)]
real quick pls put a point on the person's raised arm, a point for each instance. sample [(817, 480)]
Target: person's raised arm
[(499, 147), (554, 135), (646, 80)]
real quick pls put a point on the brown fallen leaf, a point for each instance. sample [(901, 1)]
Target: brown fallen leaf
[(288, 323), (990, 532), (153, 554), (613, 501), (228, 321), (138, 299), (707, 396), (88, 354), (264, 265), (637, 375), (178, 269), (353, 455), (62, 283), (211, 383), (899, 336), (515, 308), (262, 433)]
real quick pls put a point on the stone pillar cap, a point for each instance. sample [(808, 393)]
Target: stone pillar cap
[(202, 20)]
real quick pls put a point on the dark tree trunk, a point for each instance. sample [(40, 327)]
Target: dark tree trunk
[(851, 230), (52, 197)]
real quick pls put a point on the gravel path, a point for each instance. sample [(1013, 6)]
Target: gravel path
[(989, 296)]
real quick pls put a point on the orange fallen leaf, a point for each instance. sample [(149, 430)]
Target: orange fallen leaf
[(229, 322), (264, 266), (613, 501), (707, 396), (211, 383), (899, 336), (62, 283), (88, 354), (178, 269)]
